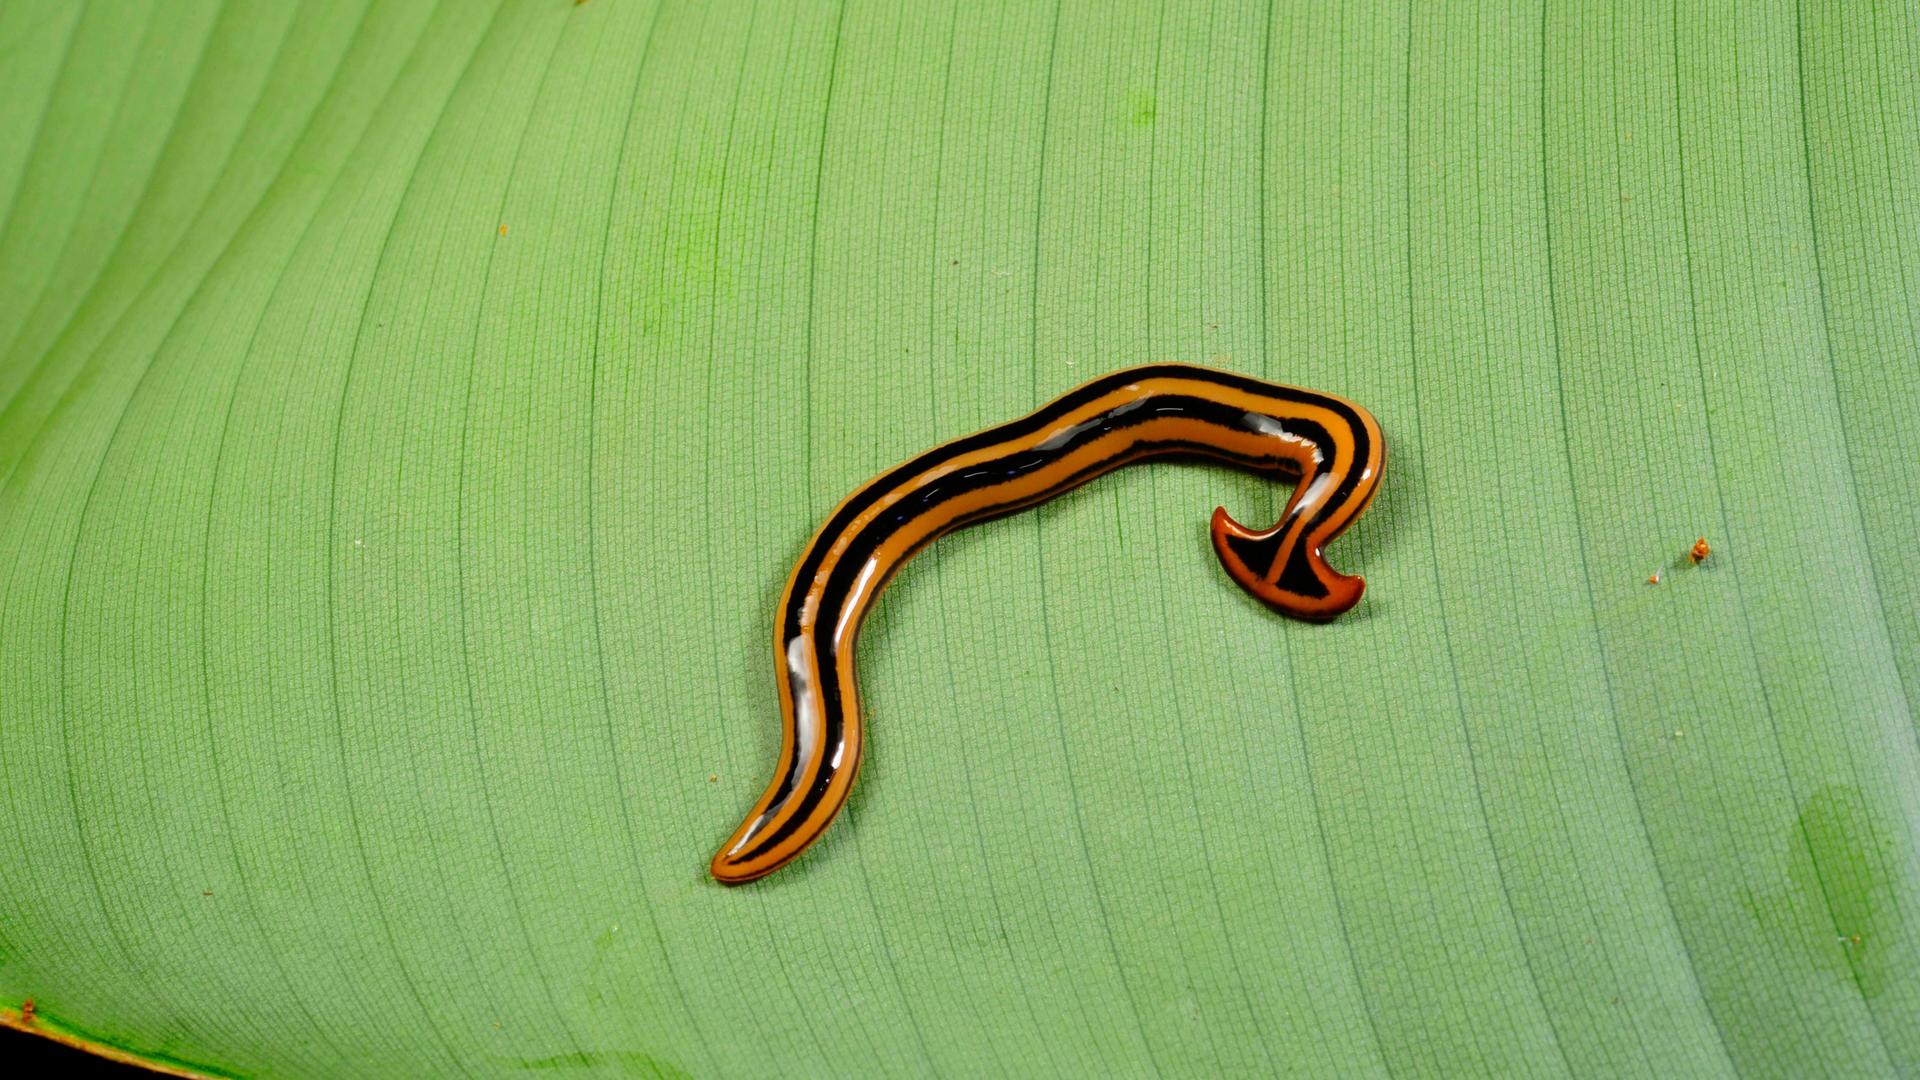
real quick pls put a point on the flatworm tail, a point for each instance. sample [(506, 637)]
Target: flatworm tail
[(1330, 447)]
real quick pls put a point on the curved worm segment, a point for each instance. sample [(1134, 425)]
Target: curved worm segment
[(1333, 446), (1286, 565)]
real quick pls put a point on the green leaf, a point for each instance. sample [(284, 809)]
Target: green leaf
[(411, 413)]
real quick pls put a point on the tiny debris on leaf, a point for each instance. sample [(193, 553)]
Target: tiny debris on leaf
[(26, 1011), (503, 230), (1699, 552), (1653, 578)]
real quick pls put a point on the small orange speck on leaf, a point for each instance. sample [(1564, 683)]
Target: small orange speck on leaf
[(1653, 578), (26, 1011), (503, 230), (1699, 552), (713, 778)]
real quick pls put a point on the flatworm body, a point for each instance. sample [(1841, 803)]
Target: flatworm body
[(1329, 447)]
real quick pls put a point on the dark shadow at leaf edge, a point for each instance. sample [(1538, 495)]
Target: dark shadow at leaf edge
[(46, 1047)]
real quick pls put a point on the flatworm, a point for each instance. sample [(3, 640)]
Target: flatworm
[(1329, 447)]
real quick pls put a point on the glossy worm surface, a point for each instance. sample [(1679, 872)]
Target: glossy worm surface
[(1330, 447)]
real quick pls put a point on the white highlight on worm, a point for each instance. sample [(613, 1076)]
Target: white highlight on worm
[(806, 716), (1267, 425), (1061, 437)]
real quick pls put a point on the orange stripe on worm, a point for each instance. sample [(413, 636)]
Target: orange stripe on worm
[(1329, 447)]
